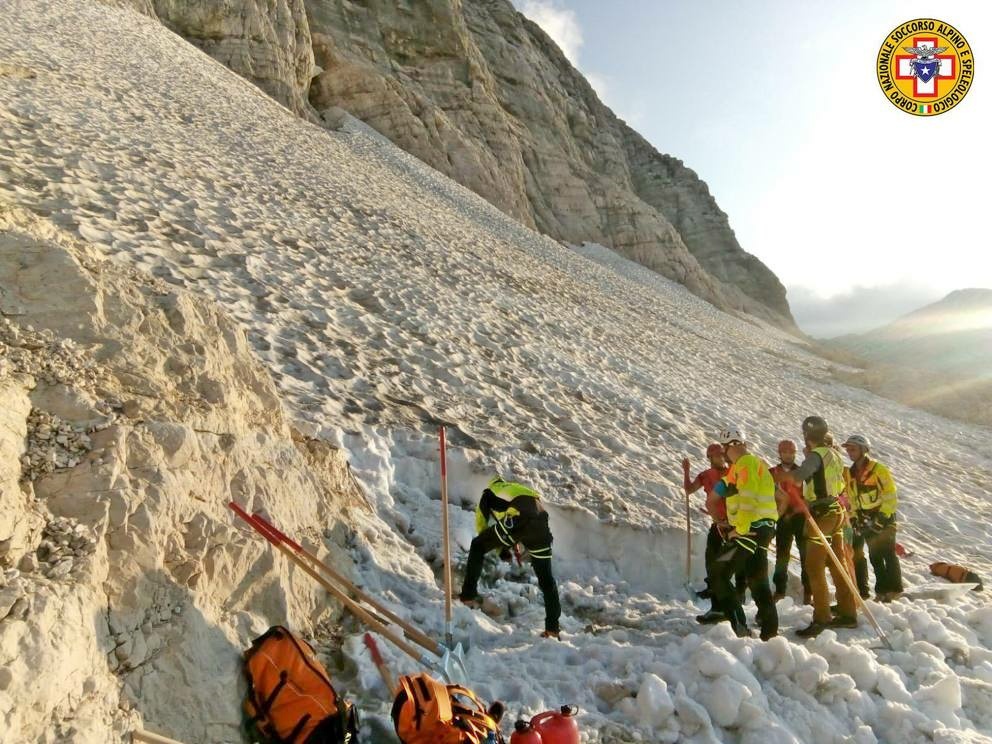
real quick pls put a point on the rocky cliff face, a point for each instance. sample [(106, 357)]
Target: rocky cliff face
[(483, 95), (130, 413)]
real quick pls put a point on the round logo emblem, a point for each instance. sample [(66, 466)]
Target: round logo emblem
[(925, 67)]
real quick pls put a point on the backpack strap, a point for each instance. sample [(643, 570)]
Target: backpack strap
[(422, 691), (475, 721)]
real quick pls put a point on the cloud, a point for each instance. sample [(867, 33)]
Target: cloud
[(559, 23), (860, 309)]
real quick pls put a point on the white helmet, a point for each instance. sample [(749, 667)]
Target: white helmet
[(731, 434), (859, 440)]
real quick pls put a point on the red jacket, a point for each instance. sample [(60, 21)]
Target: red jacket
[(794, 492), (716, 506)]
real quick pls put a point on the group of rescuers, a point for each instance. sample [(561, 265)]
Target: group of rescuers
[(750, 503)]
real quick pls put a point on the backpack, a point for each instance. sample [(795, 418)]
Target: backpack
[(956, 574), (290, 698), (428, 712)]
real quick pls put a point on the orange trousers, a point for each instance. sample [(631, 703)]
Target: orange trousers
[(817, 562)]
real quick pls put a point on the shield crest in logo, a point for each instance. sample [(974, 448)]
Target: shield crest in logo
[(925, 69)]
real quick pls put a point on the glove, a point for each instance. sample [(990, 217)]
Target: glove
[(506, 555)]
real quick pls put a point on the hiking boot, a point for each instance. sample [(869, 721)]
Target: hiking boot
[(704, 593), (812, 630), (474, 603), (711, 618), (865, 594), (778, 596), (888, 596), (842, 621), (552, 634), (768, 635)]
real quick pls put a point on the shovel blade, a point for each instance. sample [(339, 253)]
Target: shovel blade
[(453, 666)]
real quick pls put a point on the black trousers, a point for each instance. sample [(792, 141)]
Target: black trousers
[(787, 530), (734, 558), (714, 542), (884, 559), (535, 535)]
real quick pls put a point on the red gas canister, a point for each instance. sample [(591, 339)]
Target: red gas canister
[(524, 733), (557, 727)]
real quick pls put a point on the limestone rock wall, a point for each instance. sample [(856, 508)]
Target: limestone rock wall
[(131, 414)]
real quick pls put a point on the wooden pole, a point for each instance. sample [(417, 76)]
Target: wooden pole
[(688, 542), (414, 633), (847, 579), (446, 539), (351, 605), (140, 735)]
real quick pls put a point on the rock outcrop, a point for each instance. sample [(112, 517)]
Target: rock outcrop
[(483, 95), (130, 413)]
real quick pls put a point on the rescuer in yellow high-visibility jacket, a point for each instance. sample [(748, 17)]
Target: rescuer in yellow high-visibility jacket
[(518, 517), (749, 491), (874, 500)]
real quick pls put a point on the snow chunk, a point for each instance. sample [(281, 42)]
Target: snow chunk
[(654, 704), (723, 701), (694, 720), (891, 686), (942, 699)]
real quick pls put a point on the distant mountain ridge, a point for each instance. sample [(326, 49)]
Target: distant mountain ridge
[(938, 358), (952, 335), (482, 94)]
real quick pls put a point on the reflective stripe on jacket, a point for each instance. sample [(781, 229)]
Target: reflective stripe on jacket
[(872, 488)]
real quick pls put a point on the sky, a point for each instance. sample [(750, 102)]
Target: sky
[(863, 211)]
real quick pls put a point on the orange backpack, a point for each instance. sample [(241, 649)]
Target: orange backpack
[(428, 712), (290, 697), (956, 574)]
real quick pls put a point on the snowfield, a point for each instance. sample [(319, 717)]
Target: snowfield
[(386, 300)]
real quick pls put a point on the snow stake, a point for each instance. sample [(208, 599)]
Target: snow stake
[(846, 576), (451, 666)]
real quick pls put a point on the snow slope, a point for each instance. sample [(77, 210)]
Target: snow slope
[(386, 299)]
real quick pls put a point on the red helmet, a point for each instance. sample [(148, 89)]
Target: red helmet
[(714, 449), (786, 445)]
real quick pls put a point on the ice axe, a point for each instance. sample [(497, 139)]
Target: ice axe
[(845, 575)]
